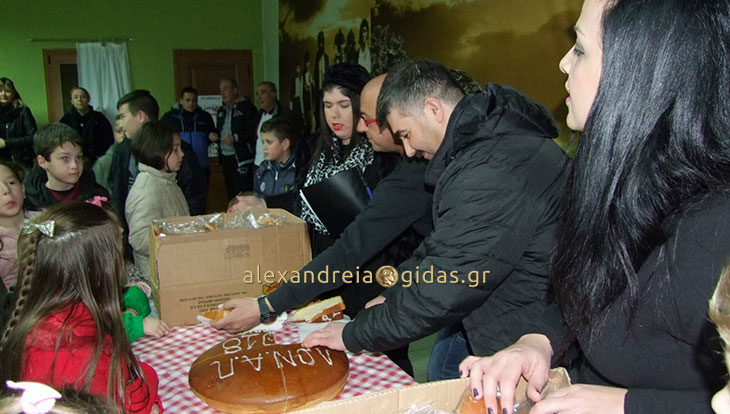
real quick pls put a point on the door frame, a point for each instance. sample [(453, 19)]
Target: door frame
[(52, 61)]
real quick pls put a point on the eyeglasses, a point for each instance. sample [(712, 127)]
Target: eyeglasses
[(368, 122)]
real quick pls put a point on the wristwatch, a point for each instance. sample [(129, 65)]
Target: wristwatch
[(267, 315)]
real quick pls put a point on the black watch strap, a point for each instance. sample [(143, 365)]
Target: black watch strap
[(267, 315)]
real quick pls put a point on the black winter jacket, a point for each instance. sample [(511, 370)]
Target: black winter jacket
[(379, 228), (244, 122), (95, 130), (38, 197), (17, 127), (497, 180)]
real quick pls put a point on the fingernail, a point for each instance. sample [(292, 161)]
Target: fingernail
[(504, 410), (490, 411), (475, 392)]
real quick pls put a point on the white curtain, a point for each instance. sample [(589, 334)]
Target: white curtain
[(104, 71)]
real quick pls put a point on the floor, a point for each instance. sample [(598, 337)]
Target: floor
[(419, 352)]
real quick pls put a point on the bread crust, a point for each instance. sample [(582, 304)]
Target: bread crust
[(250, 373)]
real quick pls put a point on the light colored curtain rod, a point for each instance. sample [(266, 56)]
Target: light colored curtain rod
[(116, 40)]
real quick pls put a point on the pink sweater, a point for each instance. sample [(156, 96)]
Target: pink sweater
[(8, 252)]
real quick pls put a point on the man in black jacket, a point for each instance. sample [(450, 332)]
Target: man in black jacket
[(236, 137), (497, 179), (95, 130)]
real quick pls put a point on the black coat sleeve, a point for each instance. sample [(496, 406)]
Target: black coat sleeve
[(478, 228), (170, 121), (381, 222), (23, 136), (245, 132), (104, 135), (192, 181), (209, 124)]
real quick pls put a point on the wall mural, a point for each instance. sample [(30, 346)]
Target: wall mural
[(516, 42)]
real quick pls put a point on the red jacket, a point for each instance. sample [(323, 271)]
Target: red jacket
[(74, 355)]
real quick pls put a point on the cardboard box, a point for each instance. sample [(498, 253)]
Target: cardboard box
[(192, 273), (443, 395)]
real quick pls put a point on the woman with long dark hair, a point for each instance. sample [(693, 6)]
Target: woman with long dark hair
[(17, 126), (340, 146), (645, 229)]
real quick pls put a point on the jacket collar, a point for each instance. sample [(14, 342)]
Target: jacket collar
[(284, 166), (495, 112), (274, 112), (163, 175)]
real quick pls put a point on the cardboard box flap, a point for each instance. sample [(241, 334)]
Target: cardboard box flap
[(442, 395)]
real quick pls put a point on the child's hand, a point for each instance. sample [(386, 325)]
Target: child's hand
[(132, 311), (154, 327)]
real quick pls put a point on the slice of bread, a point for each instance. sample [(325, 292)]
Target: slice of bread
[(216, 314), (323, 311)]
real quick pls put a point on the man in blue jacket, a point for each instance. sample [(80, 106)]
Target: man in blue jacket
[(192, 123)]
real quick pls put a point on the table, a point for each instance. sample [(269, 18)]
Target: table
[(173, 354)]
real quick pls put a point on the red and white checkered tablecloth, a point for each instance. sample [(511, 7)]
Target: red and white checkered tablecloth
[(173, 354)]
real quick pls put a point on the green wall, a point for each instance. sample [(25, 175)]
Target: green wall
[(156, 27)]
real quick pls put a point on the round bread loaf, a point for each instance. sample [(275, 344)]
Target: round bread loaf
[(251, 373)]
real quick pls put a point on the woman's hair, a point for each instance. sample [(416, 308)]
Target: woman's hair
[(720, 310), (152, 144), (81, 263), (8, 84), (349, 79), (15, 168), (655, 142)]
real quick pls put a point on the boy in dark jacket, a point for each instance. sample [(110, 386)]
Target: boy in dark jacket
[(277, 173), (59, 176)]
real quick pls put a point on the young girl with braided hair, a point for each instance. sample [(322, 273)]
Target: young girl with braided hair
[(66, 329)]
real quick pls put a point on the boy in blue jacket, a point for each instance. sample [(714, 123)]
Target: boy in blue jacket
[(277, 174)]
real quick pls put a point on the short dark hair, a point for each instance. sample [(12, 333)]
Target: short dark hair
[(141, 100), (52, 136), (152, 143), (82, 89), (188, 89), (270, 84), (232, 81), (282, 129), (411, 82)]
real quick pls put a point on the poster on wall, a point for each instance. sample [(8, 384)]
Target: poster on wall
[(313, 36), (518, 43)]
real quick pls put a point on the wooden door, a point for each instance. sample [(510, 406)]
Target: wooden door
[(203, 70), (61, 75)]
